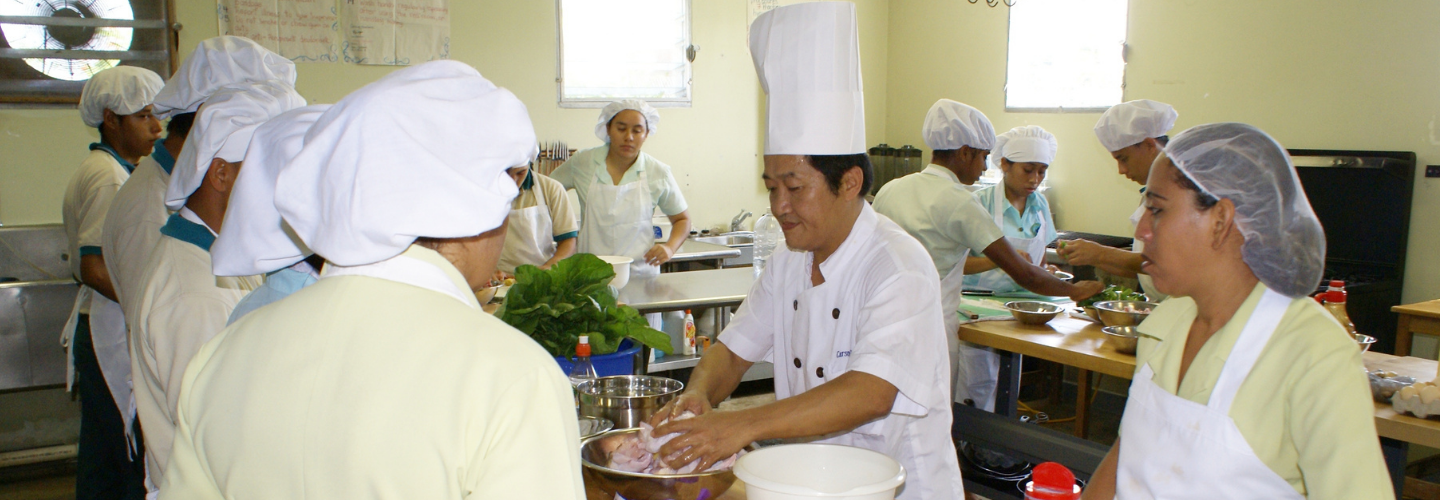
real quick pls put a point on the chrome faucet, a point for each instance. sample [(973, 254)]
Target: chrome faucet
[(735, 223)]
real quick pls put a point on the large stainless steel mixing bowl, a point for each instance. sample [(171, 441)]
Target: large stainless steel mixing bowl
[(626, 400), (607, 482)]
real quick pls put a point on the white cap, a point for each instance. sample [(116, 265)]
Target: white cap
[(951, 125), (124, 90), (652, 116), (808, 59), (421, 152), (253, 239), (1029, 143), (1128, 123), (218, 62), (222, 129)]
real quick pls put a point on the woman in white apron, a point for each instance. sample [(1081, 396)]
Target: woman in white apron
[(542, 229), (1244, 387), (1024, 155)]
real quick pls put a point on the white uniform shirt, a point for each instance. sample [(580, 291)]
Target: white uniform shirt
[(588, 167), (87, 200), (133, 227), (361, 387), (935, 208), (877, 312)]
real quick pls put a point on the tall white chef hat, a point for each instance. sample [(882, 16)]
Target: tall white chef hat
[(253, 239), (124, 90), (420, 152), (222, 129), (1284, 241), (808, 59), (1029, 143), (652, 116), (1128, 123), (218, 62), (950, 125)]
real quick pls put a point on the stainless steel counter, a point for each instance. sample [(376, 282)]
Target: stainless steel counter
[(688, 290), (692, 250)]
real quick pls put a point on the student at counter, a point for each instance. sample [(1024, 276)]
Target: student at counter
[(1023, 155), (1244, 388), (542, 226)]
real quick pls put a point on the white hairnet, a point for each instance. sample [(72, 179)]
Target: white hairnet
[(124, 90), (807, 56), (253, 239), (421, 152), (222, 129), (219, 62), (1284, 243), (1128, 123), (950, 125), (1029, 143), (652, 116)]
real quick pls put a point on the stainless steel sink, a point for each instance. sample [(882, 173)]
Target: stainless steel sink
[(743, 241)]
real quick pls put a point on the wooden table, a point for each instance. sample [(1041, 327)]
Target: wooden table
[(1421, 317)]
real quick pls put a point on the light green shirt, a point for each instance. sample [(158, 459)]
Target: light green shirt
[(588, 167), (1305, 408)]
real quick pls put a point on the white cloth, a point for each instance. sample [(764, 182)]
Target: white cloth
[(1029, 143), (652, 116), (222, 129), (877, 312), (616, 221), (1174, 448), (124, 90), (1147, 284), (808, 58), (951, 125), (1128, 123), (420, 152), (358, 387), (529, 237), (935, 208), (218, 62), (253, 239)]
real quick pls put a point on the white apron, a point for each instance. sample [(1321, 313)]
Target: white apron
[(1147, 284), (530, 238), (617, 222), (996, 279), (1174, 448), (112, 350)]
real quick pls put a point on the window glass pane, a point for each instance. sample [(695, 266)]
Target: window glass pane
[(625, 48), (1066, 54)]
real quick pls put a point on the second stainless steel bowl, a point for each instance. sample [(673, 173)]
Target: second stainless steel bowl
[(1033, 312), (626, 400), (1122, 338), (1123, 312)]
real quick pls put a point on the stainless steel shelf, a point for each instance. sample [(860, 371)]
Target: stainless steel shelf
[(688, 290)]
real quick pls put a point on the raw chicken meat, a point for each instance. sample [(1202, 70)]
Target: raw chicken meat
[(637, 453)]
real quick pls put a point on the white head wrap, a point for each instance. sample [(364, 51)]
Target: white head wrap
[(253, 239), (222, 130), (1029, 143), (420, 152), (1128, 123), (216, 63), (652, 116), (124, 90), (1284, 242), (808, 58), (950, 125)]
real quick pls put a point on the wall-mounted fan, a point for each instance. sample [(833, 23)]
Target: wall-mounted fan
[(68, 37)]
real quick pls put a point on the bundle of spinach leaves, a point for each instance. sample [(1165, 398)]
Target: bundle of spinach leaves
[(556, 306)]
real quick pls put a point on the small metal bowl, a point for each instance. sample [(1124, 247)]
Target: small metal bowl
[(1123, 312), (1364, 341), (1033, 312), (1122, 338), (595, 456)]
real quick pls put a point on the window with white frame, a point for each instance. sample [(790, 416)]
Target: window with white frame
[(1066, 55), (618, 49)]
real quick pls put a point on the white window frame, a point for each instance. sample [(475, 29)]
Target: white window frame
[(1124, 57), (565, 102)]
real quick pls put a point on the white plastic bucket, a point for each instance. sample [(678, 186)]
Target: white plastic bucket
[(830, 471)]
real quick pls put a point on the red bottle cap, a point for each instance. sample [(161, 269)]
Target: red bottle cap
[(1336, 285), (1051, 481), (583, 348), (1335, 296)]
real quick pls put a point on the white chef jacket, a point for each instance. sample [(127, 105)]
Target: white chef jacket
[(877, 312), (87, 200), (180, 306), (947, 219), (133, 227), (362, 387)]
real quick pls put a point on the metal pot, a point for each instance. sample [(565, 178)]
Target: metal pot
[(626, 400)]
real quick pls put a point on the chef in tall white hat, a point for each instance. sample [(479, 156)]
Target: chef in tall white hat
[(850, 312), (182, 303), (1134, 134), (386, 376)]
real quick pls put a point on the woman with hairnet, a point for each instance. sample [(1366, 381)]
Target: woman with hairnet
[(619, 187), (1244, 388), (1023, 154)]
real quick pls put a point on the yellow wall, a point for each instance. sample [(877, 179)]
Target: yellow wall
[(1327, 75), (713, 146)]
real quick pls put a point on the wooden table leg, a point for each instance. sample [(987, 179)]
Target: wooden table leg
[(1082, 404), (1402, 336)]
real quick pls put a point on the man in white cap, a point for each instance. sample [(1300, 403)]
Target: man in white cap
[(935, 208), (254, 239), (117, 102), (1134, 133), (850, 313), (385, 378), (182, 303)]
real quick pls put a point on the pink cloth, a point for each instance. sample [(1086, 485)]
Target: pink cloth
[(637, 453)]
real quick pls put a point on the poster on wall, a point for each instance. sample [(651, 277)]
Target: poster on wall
[(395, 32), (753, 9), (301, 30)]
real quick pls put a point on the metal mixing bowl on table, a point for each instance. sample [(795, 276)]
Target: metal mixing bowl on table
[(626, 400), (600, 478), (1033, 312), (1123, 312)]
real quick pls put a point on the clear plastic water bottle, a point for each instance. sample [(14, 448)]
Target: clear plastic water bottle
[(583, 369), (768, 236)]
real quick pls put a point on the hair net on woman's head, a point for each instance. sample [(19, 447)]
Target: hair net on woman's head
[(124, 90), (652, 116), (1025, 144), (1284, 242)]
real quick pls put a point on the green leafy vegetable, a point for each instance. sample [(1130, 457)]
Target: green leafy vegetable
[(573, 298), (1113, 292)]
